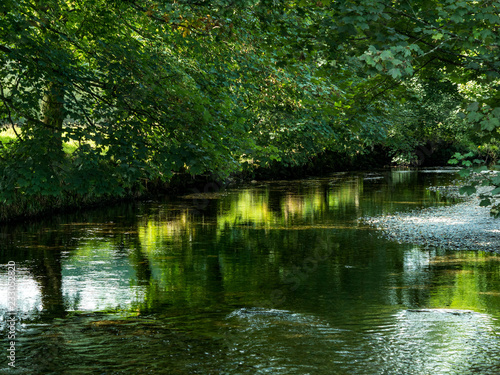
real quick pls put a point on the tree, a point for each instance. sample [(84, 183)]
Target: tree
[(127, 84), (147, 90)]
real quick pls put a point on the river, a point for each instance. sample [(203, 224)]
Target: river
[(274, 277)]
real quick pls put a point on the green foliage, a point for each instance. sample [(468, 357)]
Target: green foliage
[(426, 119), (109, 96), (477, 174), (147, 109)]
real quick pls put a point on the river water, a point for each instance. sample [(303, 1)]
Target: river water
[(268, 278)]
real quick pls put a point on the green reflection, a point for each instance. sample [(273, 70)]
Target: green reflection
[(466, 281), (294, 246)]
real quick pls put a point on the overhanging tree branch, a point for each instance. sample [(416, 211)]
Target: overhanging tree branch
[(5, 49)]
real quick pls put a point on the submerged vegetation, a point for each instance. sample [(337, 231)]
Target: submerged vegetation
[(104, 100)]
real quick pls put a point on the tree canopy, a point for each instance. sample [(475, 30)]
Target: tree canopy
[(144, 90)]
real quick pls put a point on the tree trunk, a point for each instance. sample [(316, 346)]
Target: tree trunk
[(53, 115)]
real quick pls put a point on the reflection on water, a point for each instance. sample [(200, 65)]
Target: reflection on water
[(274, 277), (432, 341), (440, 341)]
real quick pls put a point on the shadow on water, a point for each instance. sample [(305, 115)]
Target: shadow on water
[(275, 277)]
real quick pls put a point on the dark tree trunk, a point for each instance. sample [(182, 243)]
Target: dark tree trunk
[(53, 115)]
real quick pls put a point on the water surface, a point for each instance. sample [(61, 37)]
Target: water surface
[(266, 278)]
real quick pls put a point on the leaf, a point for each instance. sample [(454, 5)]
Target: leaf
[(464, 172), (386, 55), (495, 212), (485, 202), (496, 112), (395, 73), (22, 183), (480, 169), (469, 190), (495, 122), (473, 107), (490, 124), (474, 116)]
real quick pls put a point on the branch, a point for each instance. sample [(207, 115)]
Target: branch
[(4, 99), (438, 47), (5, 49)]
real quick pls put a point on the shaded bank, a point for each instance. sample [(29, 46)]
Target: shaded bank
[(32, 207)]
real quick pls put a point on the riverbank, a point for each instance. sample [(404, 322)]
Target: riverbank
[(463, 226), (39, 206), (32, 207)]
